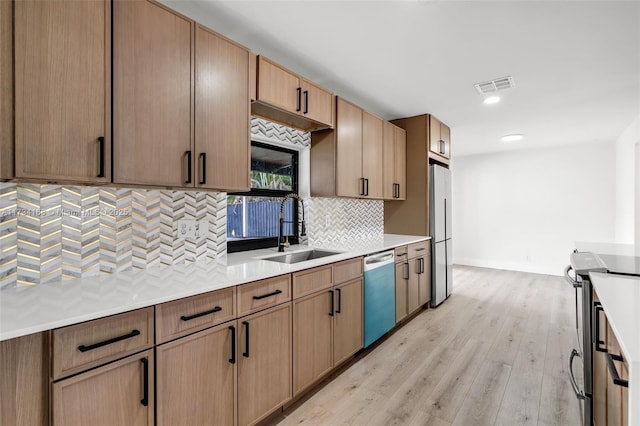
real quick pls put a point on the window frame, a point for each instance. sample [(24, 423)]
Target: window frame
[(245, 244)]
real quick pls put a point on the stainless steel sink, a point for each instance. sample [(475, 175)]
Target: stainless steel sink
[(301, 256)]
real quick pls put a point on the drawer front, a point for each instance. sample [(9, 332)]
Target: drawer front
[(347, 270), (263, 294), (418, 249), (89, 344), (185, 316), (400, 254), (312, 280)]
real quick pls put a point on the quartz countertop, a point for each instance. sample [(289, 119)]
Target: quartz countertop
[(620, 298), (608, 248), (30, 309)]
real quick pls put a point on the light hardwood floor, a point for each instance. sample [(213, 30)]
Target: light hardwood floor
[(494, 353)]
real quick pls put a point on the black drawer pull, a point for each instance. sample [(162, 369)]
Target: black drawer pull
[(101, 157), (264, 296), (246, 340), (200, 314), (232, 360), (406, 276), (145, 382), (597, 308), (612, 370), (134, 333), (339, 310), (332, 304), (421, 249)]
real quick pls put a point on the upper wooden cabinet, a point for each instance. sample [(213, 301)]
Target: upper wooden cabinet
[(181, 101), (6, 90), (287, 98), (62, 54), (372, 158), (394, 167), (152, 94), (222, 112), (439, 139)]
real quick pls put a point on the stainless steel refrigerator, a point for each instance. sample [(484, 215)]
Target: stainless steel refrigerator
[(440, 230)]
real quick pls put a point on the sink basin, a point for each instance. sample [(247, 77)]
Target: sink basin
[(301, 256)]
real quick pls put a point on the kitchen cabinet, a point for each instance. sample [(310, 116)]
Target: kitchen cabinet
[(152, 94), (62, 80), (222, 113), (264, 363), (196, 378), (413, 278), (327, 324), (372, 155), (6, 90), (24, 380), (439, 139), (181, 101), (120, 393), (394, 167), (290, 99)]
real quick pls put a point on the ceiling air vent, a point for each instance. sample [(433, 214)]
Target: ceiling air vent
[(496, 85)]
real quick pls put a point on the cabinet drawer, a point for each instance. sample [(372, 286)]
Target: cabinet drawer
[(347, 270), (82, 346), (418, 249), (401, 254), (184, 316), (312, 280), (263, 294)]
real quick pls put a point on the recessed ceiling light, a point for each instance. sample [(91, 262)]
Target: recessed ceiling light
[(492, 100), (512, 138)]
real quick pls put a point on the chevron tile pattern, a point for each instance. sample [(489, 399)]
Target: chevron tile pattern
[(52, 232), (350, 220), (268, 132)]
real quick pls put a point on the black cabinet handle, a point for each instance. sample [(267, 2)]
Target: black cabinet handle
[(396, 190), (306, 102), (100, 157), (299, 105), (145, 382), (332, 303), (188, 155), (246, 340), (200, 314), (597, 308), (264, 296), (361, 186), (442, 145), (232, 360), (612, 370), (339, 310), (421, 249), (203, 168), (366, 186), (406, 277), (83, 348)]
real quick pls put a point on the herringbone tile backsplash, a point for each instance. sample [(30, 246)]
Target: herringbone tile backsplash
[(52, 232)]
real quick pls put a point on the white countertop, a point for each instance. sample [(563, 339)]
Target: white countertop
[(620, 298), (612, 249), (26, 310)]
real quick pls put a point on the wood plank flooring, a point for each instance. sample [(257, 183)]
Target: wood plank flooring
[(493, 354)]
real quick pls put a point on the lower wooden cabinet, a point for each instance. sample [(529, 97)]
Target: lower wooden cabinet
[(264, 363), (347, 322), (196, 378), (424, 280), (120, 393), (413, 285)]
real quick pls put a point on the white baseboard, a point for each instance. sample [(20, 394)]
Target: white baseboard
[(510, 266)]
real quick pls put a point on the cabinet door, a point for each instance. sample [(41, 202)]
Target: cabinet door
[(347, 330), (402, 288), (424, 292), (197, 377), (222, 117), (120, 393), (62, 90), (600, 374), (445, 135), (264, 363), (401, 162), (317, 103), (413, 288), (372, 147), (614, 392), (435, 145), (348, 149), (278, 87), (388, 161), (312, 341), (152, 94)]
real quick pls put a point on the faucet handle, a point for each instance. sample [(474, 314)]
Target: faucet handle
[(286, 243)]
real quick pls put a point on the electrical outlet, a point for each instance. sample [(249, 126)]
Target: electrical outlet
[(203, 228), (186, 229), (327, 220)]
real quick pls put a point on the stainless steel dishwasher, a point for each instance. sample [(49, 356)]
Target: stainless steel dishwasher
[(379, 295)]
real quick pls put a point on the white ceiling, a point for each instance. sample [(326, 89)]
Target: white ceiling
[(576, 64)]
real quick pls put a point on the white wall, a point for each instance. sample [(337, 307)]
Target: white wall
[(523, 210), (626, 183)]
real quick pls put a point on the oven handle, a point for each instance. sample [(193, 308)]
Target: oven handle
[(573, 282), (579, 393)]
